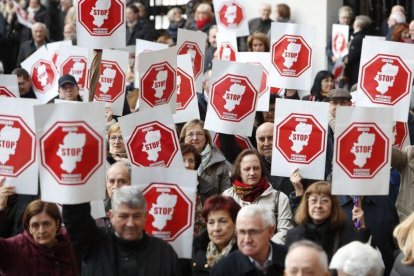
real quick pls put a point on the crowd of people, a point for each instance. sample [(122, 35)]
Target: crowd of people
[(247, 221)]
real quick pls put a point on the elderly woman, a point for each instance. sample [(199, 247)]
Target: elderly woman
[(320, 219), (116, 146), (44, 248), (251, 187), (220, 214), (203, 19), (214, 170), (322, 84), (404, 234), (258, 42)]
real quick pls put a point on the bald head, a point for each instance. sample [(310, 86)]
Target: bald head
[(306, 258), (118, 175), (264, 139)]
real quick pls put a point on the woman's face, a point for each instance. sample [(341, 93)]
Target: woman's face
[(250, 169), (327, 85), (258, 46), (320, 207), (116, 143), (43, 228), (195, 136), (220, 228), (189, 161)]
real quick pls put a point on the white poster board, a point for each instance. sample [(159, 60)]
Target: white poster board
[(231, 15), (9, 86), (226, 45), (340, 40)]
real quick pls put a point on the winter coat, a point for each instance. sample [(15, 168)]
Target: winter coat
[(400, 269)]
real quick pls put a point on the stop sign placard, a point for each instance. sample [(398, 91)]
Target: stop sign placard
[(185, 89), (243, 142), (300, 138), (233, 97), (17, 146), (76, 66), (362, 150), (152, 145), (227, 52), (400, 134), (291, 55), (71, 152), (101, 17), (44, 75), (385, 79), (170, 211), (231, 14), (111, 83), (158, 84), (196, 55), (6, 92)]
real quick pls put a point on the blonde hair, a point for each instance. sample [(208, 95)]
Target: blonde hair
[(404, 233)]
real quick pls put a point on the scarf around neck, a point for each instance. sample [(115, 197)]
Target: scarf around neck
[(213, 255), (250, 192)]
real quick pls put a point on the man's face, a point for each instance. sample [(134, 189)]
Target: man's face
[(117, 177), (269, 116), (24, 85), (264, 139), (131, 16), (128, 222), (265, 11), (39, 34), (345, 19), (335, 103), (69, 92), (212, 37), (69, 32), (304, 261)]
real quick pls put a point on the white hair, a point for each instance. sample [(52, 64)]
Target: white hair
[(266, 215), (323, 258), (398, 16), (130, 196), (357, 259)]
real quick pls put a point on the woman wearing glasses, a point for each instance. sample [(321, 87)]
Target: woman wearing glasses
[(320, 219), (116, 146)]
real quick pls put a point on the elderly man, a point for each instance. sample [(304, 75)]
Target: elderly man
[(117, 176), (263, 22), (137, 27), (25, 83), (257, 254), (306, 258), (39, 33), (124, 249)]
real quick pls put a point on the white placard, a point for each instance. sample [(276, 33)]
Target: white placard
[(71, 142), (187, 105), (400, 135), (9, 86), (151, 139), (362, 151), (22, 15), (292, 55), (53, 50), (299, 138), (112, 80), (264, 60), (158, 78), (226, 45), (231, 15), (43, 73), (386, 75), (171, 197), (233, 97), (98, 209), (18, 157), (340, 40), (101, 24)]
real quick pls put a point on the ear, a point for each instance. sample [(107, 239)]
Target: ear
[(272, 230), (111, 213)]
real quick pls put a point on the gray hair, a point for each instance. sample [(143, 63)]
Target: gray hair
[(357, 258), (323, 258), (39, 24), (266, 214), (171, 13), (121, 164), (362, 21), (130, 196), (345, 10)]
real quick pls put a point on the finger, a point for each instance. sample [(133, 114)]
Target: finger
[(295, 171)]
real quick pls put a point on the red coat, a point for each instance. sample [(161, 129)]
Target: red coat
[(22, 255)]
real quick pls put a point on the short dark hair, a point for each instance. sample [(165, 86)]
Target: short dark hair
[(134, 8), (38, 206), (283, 10), (235, 172), (20, 72), (188, 148), (317, 83), (219, 202)]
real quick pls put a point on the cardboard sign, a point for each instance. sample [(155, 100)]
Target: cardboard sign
[(72, 149), (340, 40), (101, 24), (226, 45), (151, 139), (112, 80), (233, 97), (18, 158), (400, 135), (231, 15), (171, 196), (291, 48), (362, 152), (53, 50), (386, 75), (243, 142), (299, 138), (44, 75), (22, 15), (9, 86)]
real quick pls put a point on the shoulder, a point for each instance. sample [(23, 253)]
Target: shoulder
[(161, 246), (279, 254), (231, 264)]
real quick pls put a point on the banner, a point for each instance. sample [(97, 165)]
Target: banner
[(150, 138), (242, 142), (299, 138), (231, 15), (171, 198), (340, 40), (291, 48), (53, 50), (362, 152), (18, 158), (233, 97), (72, 152), (226, 45), (22, 15), (9, 86), (400, 135)]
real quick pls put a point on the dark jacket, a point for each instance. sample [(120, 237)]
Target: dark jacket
[(259, 25), (26, 50), (238, 264), (142, 30), (172, 29), (354, 57), (329, 153), (400, 269), (103, 253)]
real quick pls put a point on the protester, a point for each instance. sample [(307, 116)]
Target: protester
[(116, 146), (263, 22), (258, 42), (137, 27), (282, 12), (176, 21), (117, 176), (404, 233), (322, 84), (68, 89), (401, 33), (39, 39), (203, 19), (25, 83)]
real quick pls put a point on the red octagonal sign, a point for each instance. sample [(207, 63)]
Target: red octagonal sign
[(71, 152), (386, 79), (44, 75), (233, 97), (152, 145), (400, 133), (231, 14), (6, 92), (111, 83), (362, 150), (196, 55), (101, 17), (158, 84), (227, 52), (300, 138), (17, 146), (291, 55), (170, 211), (77, 67), (185, 89)]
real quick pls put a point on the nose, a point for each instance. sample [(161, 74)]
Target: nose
[(130, 222), (268, 141), (216, 227)]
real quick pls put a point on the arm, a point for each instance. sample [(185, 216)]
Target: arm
[(5, 192), (224, 177), (284, 219)]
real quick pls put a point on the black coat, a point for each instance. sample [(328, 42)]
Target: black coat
[(354, 57), (238, 264), (142, 30), (26, 50), (400, 269)]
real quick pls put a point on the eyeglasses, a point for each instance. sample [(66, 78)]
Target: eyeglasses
[(114, 137), (322, 200), (251, 232), (196, 134)]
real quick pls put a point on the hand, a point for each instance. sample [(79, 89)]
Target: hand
[(108, 114), (334, 59), (296, 179), (5, 192), (358, 213)]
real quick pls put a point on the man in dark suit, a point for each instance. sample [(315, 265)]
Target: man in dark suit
[(137, 27), (39, 32)]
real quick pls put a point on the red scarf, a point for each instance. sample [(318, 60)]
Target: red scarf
[(202, 23), (250, 192)]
